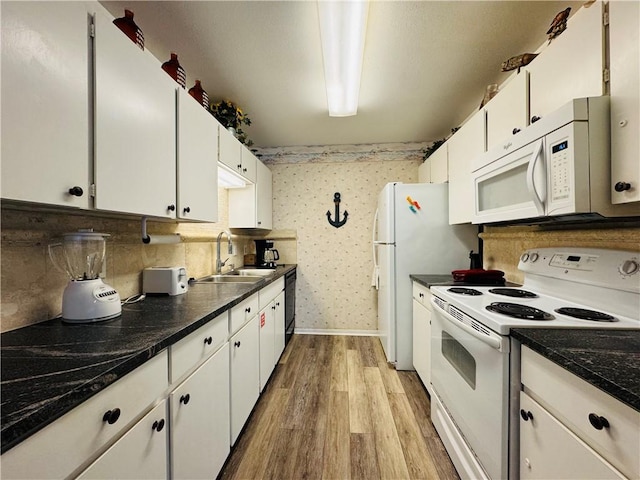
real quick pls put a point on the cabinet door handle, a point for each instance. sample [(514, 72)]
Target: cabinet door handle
[(208, 340), (158, 425), (622, 186), (76, 191), (515, 130), (526, 415), (598, 422), (171, 208), (186, 209), (111, 416), (185, 398), (236, 344), (534, 119)]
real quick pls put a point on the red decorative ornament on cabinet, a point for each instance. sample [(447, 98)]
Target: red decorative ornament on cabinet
[(199, 94), (175, 71), (130, 29)]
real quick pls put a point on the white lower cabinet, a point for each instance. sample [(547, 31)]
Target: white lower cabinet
[(573, 429), (244, 357), (548, 449), (422, 333), (140, 454), (200, 420)]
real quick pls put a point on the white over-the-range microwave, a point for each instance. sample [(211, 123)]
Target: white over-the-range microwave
[(558, 168)]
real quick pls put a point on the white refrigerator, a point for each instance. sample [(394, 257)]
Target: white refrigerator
[(412, 235)]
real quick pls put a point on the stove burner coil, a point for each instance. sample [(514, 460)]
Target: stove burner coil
[(584, 314), (464, 291), (513, 292), (516, 310)]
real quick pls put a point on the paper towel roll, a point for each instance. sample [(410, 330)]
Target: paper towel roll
[(161, 239)]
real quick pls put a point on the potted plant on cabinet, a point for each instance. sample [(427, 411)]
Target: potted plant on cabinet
[(232, 118)]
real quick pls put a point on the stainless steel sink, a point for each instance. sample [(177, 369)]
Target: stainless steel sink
[(254, 272), (229, 278)]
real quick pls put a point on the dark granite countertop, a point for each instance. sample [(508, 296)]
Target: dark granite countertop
[(429, 280), (51, 367), (608, 359)]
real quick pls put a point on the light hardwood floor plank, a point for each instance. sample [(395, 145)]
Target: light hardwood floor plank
[(364, 461), (359, 410), (419, 461), (339, 364), (388, 447), (337, 453), (420, 402)]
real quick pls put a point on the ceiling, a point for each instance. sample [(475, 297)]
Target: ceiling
[(426, 64)]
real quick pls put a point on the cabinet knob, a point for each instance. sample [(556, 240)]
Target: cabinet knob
[(158, 425), (111, 416), (526, 415), (171, 208), (76, 191), (277, 304), (239, 166), (515, 130), (273, 308), (598, 422), (186, 209), (622, 186), (247, 310), (185, 398), (244, 170), (208, 340), (534, 119), (421, 295), (236, 344)]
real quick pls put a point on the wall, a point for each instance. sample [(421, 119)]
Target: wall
[(31, 287), (334, 264), (503, 245)]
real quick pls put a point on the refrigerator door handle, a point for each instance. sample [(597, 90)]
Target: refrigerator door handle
[(374, 242)]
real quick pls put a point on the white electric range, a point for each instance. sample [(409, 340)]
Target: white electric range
[(470, 346)]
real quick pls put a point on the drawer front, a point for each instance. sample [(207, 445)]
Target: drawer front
[(549, 450), (61, 447), (197, 346), (270, 292), (243, 312), (422, 294), (572, 401)]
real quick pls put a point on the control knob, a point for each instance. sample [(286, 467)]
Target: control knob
[(629, 267), (524, 257)]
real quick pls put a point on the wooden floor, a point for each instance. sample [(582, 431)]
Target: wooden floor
[(334, 409)]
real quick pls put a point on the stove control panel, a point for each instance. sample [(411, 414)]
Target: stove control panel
[(574, 261)]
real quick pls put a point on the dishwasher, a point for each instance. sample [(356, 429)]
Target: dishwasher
[(289, 304)]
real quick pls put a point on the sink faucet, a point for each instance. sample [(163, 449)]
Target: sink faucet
[(219, 262)]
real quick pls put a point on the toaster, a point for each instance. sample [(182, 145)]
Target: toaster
[(167, 280)]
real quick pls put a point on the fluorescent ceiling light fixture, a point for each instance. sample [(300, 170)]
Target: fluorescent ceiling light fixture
[(229, 179), (343, 25)]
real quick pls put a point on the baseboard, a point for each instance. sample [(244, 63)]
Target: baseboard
[(355, 333)]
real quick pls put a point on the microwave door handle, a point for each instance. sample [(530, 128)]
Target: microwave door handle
[(491, 341), (538, 200)]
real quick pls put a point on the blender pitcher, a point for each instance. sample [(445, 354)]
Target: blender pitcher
[(86, 297)]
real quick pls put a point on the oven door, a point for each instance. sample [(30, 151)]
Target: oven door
[(470, 375)]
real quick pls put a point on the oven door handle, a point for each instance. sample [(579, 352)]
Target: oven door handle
[(493, 342)]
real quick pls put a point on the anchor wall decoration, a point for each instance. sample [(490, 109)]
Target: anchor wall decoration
[(337, 222)]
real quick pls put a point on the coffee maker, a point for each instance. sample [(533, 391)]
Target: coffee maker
[(266, 255)]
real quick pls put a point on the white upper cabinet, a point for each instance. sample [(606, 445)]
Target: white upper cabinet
[(440, 164), (134, 131), (197, 185), (230, 150), (45, 103), (571, 66), (508, 112), (466, 144), (624, 38), (249, 164), (252, 206)]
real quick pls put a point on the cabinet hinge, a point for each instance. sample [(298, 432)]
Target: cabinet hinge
[(92, 190), (605, 75), (605, 18)]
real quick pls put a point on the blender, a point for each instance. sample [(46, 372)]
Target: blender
[(86, 297)]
